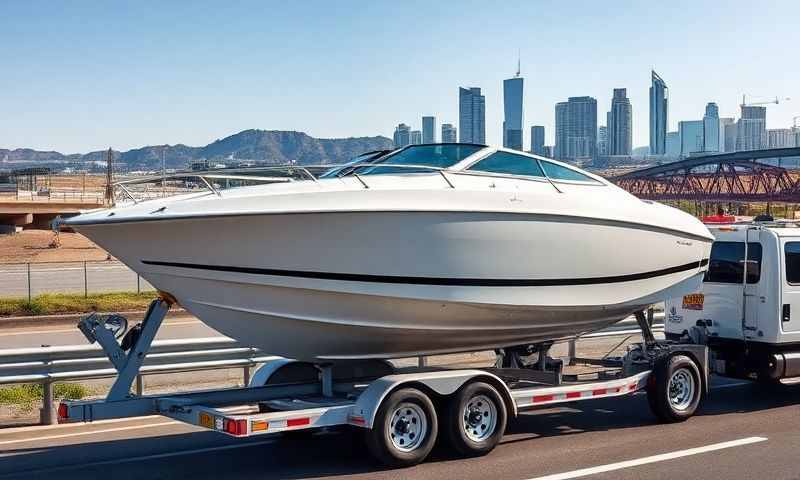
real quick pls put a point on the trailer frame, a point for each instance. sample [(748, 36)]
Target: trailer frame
[(309, 396)]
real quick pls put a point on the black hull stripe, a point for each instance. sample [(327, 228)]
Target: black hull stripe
[(461, 282)]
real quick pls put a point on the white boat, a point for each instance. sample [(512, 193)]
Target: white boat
[(450, 248)]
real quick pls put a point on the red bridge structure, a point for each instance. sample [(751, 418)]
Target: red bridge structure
[(756, 176)]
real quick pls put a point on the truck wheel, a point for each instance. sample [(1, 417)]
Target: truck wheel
[(475, 420), (675, 390), (404, 430)]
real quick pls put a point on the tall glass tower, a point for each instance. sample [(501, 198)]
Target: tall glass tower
[(428, 129), (512, 112), (471, 115), (659, 99)]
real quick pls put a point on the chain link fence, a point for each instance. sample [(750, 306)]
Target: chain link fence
[(27, 280)]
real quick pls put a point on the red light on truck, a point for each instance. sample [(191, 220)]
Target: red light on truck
[(235, 427)]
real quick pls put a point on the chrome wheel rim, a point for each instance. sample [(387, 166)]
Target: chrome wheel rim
[(407, 426), (479, 418), (681, 389)]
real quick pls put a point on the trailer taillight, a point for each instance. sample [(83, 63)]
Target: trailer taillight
[(236, 427)]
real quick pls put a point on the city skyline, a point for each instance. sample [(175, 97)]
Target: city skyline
[(177, 75)]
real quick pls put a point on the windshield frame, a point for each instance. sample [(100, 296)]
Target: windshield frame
[(387, 159)]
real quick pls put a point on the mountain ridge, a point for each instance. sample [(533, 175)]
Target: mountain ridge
[(270, 146)]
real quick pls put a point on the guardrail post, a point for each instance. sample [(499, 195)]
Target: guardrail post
[(29, 281), (139, 385), (85, 281), (571, 352), (422, 362), (138, 283), (47, 415), (247, 375)]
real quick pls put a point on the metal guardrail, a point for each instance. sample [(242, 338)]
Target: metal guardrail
[(50, 365)]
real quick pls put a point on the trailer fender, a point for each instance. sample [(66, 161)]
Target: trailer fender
[(698, 353), (263, 374), (443, 383)]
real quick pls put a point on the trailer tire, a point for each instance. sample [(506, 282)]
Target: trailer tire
[(405, 429), (475, 420), (674, 389)]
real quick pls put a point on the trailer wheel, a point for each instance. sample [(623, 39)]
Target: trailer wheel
[(404, 430), (675, 390), (475, 420)]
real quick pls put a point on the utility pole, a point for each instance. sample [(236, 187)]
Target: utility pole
[(163, 172), (109, 177)]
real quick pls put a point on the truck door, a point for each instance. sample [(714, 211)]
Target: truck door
[(724, 287), (790, 306), (752, 292)]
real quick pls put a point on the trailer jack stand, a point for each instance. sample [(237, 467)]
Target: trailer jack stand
[(94, 328), (647, 329)]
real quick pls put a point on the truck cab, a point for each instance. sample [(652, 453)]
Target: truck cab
[(748, 309)]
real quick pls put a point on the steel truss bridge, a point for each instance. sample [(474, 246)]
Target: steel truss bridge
[(752, 176)]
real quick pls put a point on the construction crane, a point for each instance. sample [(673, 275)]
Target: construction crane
[(776, 101)]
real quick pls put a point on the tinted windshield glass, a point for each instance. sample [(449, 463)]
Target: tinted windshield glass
[(343, 169), (508, 163), (557, 172), (793, 262), (438, 156), (727, 263)]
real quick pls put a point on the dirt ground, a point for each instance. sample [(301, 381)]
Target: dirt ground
[(33, 246)]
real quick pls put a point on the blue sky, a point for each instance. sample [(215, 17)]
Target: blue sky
[(84, 75)]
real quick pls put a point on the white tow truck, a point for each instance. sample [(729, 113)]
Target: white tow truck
[(748, 311), (402, 411)]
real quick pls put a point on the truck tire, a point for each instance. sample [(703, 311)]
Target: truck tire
[(405, 429), (475, 419), (675, 389)]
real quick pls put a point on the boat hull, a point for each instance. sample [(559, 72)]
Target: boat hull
[(338, 285)]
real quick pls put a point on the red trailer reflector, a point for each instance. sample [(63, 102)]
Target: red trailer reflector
[(573, 394), (296, 422), (599, 391), (63, 411), (543, 398), (235, 427)]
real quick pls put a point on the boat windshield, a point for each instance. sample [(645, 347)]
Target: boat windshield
[(341, 170), (438, 156)]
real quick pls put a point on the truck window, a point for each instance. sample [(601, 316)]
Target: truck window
[(792, 252), (726, 264)]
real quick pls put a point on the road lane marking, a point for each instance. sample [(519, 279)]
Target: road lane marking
[(91, 432), (730, 385), (653, 459)]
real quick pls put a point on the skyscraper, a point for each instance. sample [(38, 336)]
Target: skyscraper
[(751, 132), (728, 134), (692, 137), (560, 148), (428, 129), (449, 133), (659, 102), (402, 135), (416, 137), (576, 128), (672, 145), (711, 129), (471, 115), (780, 138), (602, 140), (620, 118), (537, 140), (512, 112)]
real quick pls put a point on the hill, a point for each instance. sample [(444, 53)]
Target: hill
[(271, 146)]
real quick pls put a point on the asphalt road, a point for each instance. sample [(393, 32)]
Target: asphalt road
[(68, 277), (742, 432)]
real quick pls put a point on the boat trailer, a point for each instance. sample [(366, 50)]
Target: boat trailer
[(402, 411)]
